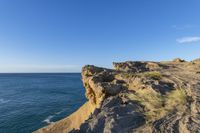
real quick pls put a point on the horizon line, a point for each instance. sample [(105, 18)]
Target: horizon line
[(34, 72)]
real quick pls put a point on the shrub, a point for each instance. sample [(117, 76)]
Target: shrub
[(127, 75), (175, 99), (154, 75), (157, 105)]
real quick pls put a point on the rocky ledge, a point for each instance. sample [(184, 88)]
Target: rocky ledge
[(137, 97)]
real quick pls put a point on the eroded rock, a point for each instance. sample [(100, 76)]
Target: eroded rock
[(136, 66), (137, 97), (178, 60)]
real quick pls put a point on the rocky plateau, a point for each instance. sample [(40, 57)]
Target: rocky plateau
[(137, 97)]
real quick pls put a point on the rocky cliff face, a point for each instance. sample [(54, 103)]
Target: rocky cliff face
[(141, 97)]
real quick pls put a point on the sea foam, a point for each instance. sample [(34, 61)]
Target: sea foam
[(48, 119)]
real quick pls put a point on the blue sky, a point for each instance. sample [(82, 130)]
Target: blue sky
[(64, 35)]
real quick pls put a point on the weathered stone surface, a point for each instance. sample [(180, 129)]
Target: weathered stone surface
[(113, 117), (99, 83), (137, 97), (197, 61), (178, 60), (136, 66)]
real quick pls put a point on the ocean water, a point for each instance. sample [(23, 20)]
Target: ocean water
[(31, 101)]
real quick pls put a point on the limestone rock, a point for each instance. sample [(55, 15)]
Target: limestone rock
[(137, 97), (136, 66), (196, 61), (178, 60)]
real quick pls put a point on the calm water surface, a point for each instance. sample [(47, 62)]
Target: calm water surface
[(31, 101)]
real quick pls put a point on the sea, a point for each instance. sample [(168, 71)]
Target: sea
[(29, 101)]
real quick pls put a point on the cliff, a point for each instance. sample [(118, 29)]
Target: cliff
[(137, 97)]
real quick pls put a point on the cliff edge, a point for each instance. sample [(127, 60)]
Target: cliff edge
[(137, 97)]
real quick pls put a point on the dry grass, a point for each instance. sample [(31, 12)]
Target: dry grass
[(175, 99), (153, 75), (157, 105), (126, 75)]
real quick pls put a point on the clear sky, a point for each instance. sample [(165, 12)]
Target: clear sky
[(64, 35)]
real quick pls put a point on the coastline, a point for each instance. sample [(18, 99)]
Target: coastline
[(71, 122), (140, 96)]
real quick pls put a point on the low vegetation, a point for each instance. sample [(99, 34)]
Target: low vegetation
[(153, 74), (157, 105), (176, 99), (127, 75)]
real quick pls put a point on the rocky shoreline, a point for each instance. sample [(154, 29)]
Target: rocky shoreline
[(137, 97)]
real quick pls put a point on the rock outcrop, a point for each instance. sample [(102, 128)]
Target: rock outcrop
[(137, 97)]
